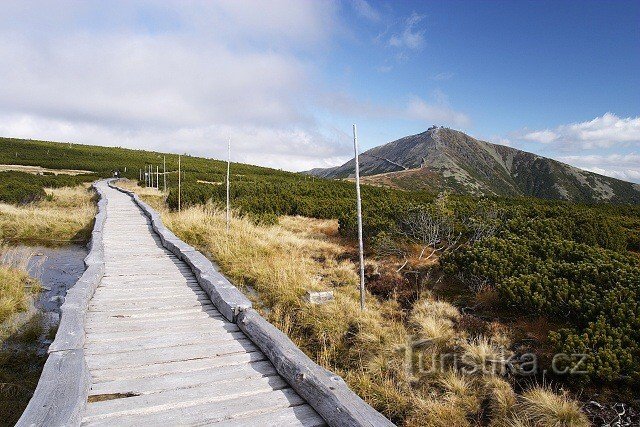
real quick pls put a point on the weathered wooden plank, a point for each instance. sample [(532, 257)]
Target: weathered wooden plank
[(203, 329), (131, 325), (115, 314), (61, 394), (163, 355), (160, 306), (184, 366), (207, 413), (302, 415), (176, 379), (163, 341), (181, 398)]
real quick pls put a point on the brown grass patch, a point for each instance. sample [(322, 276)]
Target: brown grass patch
[(64, 217)]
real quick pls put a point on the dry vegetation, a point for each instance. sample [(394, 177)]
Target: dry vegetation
[(16, 287), (64, 216), (276, 264)]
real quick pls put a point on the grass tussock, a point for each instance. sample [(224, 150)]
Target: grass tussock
[(14, 295), (63, 217), (277, 264), (548, 409)]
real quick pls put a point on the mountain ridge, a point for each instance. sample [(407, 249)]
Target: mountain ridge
[(446, 159)]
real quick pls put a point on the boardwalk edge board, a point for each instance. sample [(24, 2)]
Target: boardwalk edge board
[(324, 391), (61, 394)]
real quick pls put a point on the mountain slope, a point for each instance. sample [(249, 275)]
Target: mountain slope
[(445, 159)]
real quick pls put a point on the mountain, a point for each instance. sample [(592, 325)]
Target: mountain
[(445, 159)]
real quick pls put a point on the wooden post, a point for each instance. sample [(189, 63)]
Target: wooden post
[(158, 178), (228, 173), (179, 184), (164, 172), (359, 208), (140, 173)]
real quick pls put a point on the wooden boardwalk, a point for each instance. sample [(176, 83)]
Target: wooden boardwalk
[(160, 353)]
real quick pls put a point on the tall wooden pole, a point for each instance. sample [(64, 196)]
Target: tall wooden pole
[(228, 183), (359, 206), (179, 185), (140, 173), (164, 172), (158, 178)]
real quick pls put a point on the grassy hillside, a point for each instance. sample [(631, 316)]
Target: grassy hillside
[(559, 276)]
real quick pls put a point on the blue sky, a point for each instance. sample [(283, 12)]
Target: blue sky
[(285, 79)]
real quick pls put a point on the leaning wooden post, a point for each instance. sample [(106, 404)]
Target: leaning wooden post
[(359, 206), (179, 184), (228, 173)]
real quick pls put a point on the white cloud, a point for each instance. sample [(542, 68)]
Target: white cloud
[(439, 113), (171, 76), (601, 132), (291, 148), (365, 10), (621, 166), (414, 108), (411, 36), (631, 175)]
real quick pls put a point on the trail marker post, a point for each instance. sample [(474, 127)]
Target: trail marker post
[(164, 172), (359, 210), (158, 178), (228, 183), (179, 184)]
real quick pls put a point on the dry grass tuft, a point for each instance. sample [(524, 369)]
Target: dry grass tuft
[(16, 287), (545, 408), (434, 321), (502, 401), (436, 412), (483, 356)]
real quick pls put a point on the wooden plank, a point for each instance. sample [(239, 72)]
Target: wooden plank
[(160, 306), (61, 394), (121, 325), (176, 379), (302, 415), (206, 413), (166, 341), (182, 329), (208, 309), (184, 366), (164, 407), (163, 355)]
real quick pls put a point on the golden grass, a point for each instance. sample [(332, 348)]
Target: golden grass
[(547, 409), (16, 287), (279, 263), (14, 297), (65, 216), (502, 401)]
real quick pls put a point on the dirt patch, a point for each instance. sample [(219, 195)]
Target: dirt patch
[(39, 170)]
